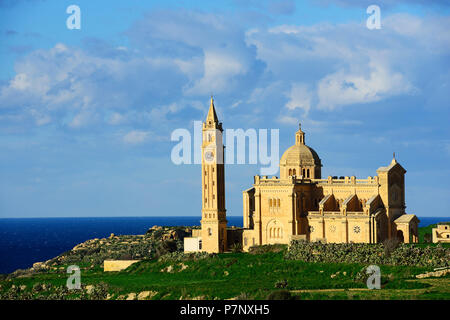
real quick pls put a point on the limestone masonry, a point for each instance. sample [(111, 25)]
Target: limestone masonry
[(300, 204)]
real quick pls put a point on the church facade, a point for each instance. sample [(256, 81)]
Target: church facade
[(300, 204)]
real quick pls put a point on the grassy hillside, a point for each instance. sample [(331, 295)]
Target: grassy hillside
[(267, 271), (230, 275)]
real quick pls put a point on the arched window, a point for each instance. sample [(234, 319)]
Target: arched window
[(270, 202), (303, 172), (278, 203), (293, 172), (290, 172), (307, 173), (209, 232)]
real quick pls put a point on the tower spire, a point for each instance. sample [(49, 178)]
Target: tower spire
[(394, 161), (212, 116)]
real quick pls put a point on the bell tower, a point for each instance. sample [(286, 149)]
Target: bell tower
[(214, 222)]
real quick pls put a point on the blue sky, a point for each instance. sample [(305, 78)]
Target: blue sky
[(86, 115)]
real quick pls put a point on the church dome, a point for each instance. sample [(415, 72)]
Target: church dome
[(300, 155), (300, 160)]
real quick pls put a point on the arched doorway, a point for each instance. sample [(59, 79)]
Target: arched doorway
[(400, 236)]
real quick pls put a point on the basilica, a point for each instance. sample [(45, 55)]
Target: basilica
[(300, 204)]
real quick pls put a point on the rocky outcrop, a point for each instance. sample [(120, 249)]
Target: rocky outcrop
[(114, 247), (436, 273)]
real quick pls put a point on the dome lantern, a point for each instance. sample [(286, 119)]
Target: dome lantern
[(300, 160)]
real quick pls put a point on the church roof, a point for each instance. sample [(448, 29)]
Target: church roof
[(405, 218), (300, 153), (391, 165)]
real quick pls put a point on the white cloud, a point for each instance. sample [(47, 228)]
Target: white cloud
[(82, 119), (219, 70), (299, 97), (116, 118), (343, 88), (287, 120), (136, 137)]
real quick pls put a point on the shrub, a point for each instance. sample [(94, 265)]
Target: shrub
[(267, 248), (244, 296), (404, 254), (280, 295), (390, 245), (182, 256), (99, 292), (281, 284), (165, 247), (236, 247)]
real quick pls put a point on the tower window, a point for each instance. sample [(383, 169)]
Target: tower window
[(293, 172), (209, 232), (307, 173)]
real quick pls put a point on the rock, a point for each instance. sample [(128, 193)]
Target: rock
[(112, 236), (131, 296), (167, 269), (22, 287), (183, 267), (109, 296), (439, 273), (89, 289), (146, 295), (226, 273)]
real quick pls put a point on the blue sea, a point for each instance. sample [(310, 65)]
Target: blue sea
[(29, 240), (26, 241)]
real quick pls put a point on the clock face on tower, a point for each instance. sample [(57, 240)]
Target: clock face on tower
[(209, 156)]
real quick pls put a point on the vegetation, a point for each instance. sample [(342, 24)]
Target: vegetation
[(302, 271), (389, 253)]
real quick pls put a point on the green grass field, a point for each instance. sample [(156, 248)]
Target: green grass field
[(247, 276), (266, 271)]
